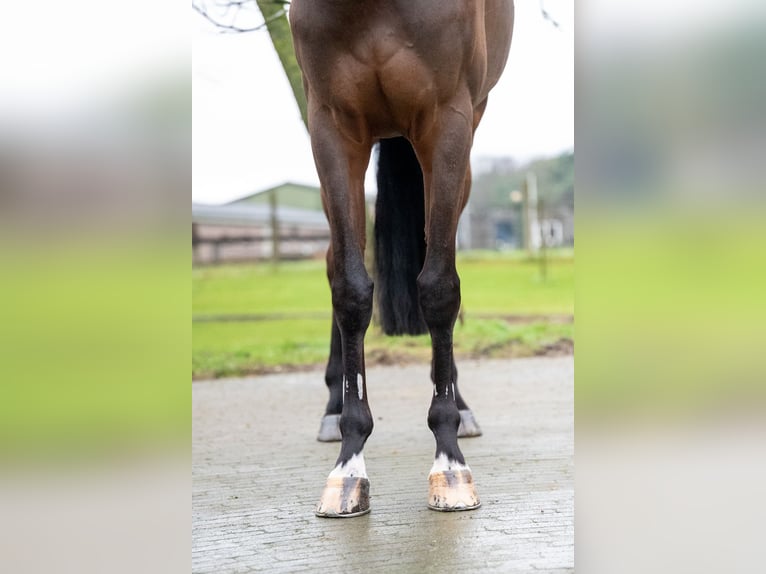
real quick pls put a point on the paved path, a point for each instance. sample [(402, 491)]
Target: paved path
[(258, 472)]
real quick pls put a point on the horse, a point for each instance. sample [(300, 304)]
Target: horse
[(413, 77)]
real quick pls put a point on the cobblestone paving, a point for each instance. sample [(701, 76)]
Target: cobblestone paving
[(258, 472)]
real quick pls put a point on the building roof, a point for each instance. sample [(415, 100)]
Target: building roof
[(288, 194), (248, 214)]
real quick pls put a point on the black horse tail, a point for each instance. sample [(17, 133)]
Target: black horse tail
[(400, 245)]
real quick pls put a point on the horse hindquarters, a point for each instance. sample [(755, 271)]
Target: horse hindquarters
[(364, 82)]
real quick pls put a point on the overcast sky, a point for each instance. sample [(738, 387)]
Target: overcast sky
[(248, 134)]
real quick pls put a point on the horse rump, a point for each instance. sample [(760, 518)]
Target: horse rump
[(400, 245)]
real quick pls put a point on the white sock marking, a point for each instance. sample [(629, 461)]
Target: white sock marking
[(442, 463), (360, 386), (353, 467)]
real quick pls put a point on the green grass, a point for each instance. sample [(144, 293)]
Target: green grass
[(493, 285), (675, 315), (93, 347), (298, 287), (512, 285)]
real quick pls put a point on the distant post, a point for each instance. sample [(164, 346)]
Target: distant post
[(531, 223), (543, 248), (195, 243), (517, 202), (274, 226)]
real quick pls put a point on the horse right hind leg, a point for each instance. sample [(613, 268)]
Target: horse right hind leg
[(468, 426), (444, 154)]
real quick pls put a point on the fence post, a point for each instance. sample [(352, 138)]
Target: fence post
[(274, 226)]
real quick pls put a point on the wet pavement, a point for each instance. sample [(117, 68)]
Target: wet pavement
[(258, 472)]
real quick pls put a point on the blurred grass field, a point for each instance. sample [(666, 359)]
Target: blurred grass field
[(94, 345), (509, 309)]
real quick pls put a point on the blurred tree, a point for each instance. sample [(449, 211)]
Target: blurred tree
[(226, 15), (499, 176)]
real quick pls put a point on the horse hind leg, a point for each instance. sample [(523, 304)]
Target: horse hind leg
[(468, 426), (445, 156), (346, 491), (341, 164), (450, 480)]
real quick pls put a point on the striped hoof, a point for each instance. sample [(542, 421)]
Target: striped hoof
[(344, 497), (468, 425), (452, 490), (329, 429)]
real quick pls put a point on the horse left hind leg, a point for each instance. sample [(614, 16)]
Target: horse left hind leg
[(341, 162)]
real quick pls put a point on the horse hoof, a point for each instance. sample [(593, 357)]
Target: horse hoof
[(344, 497), (468, 425), (329, 429), (452, 490)]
